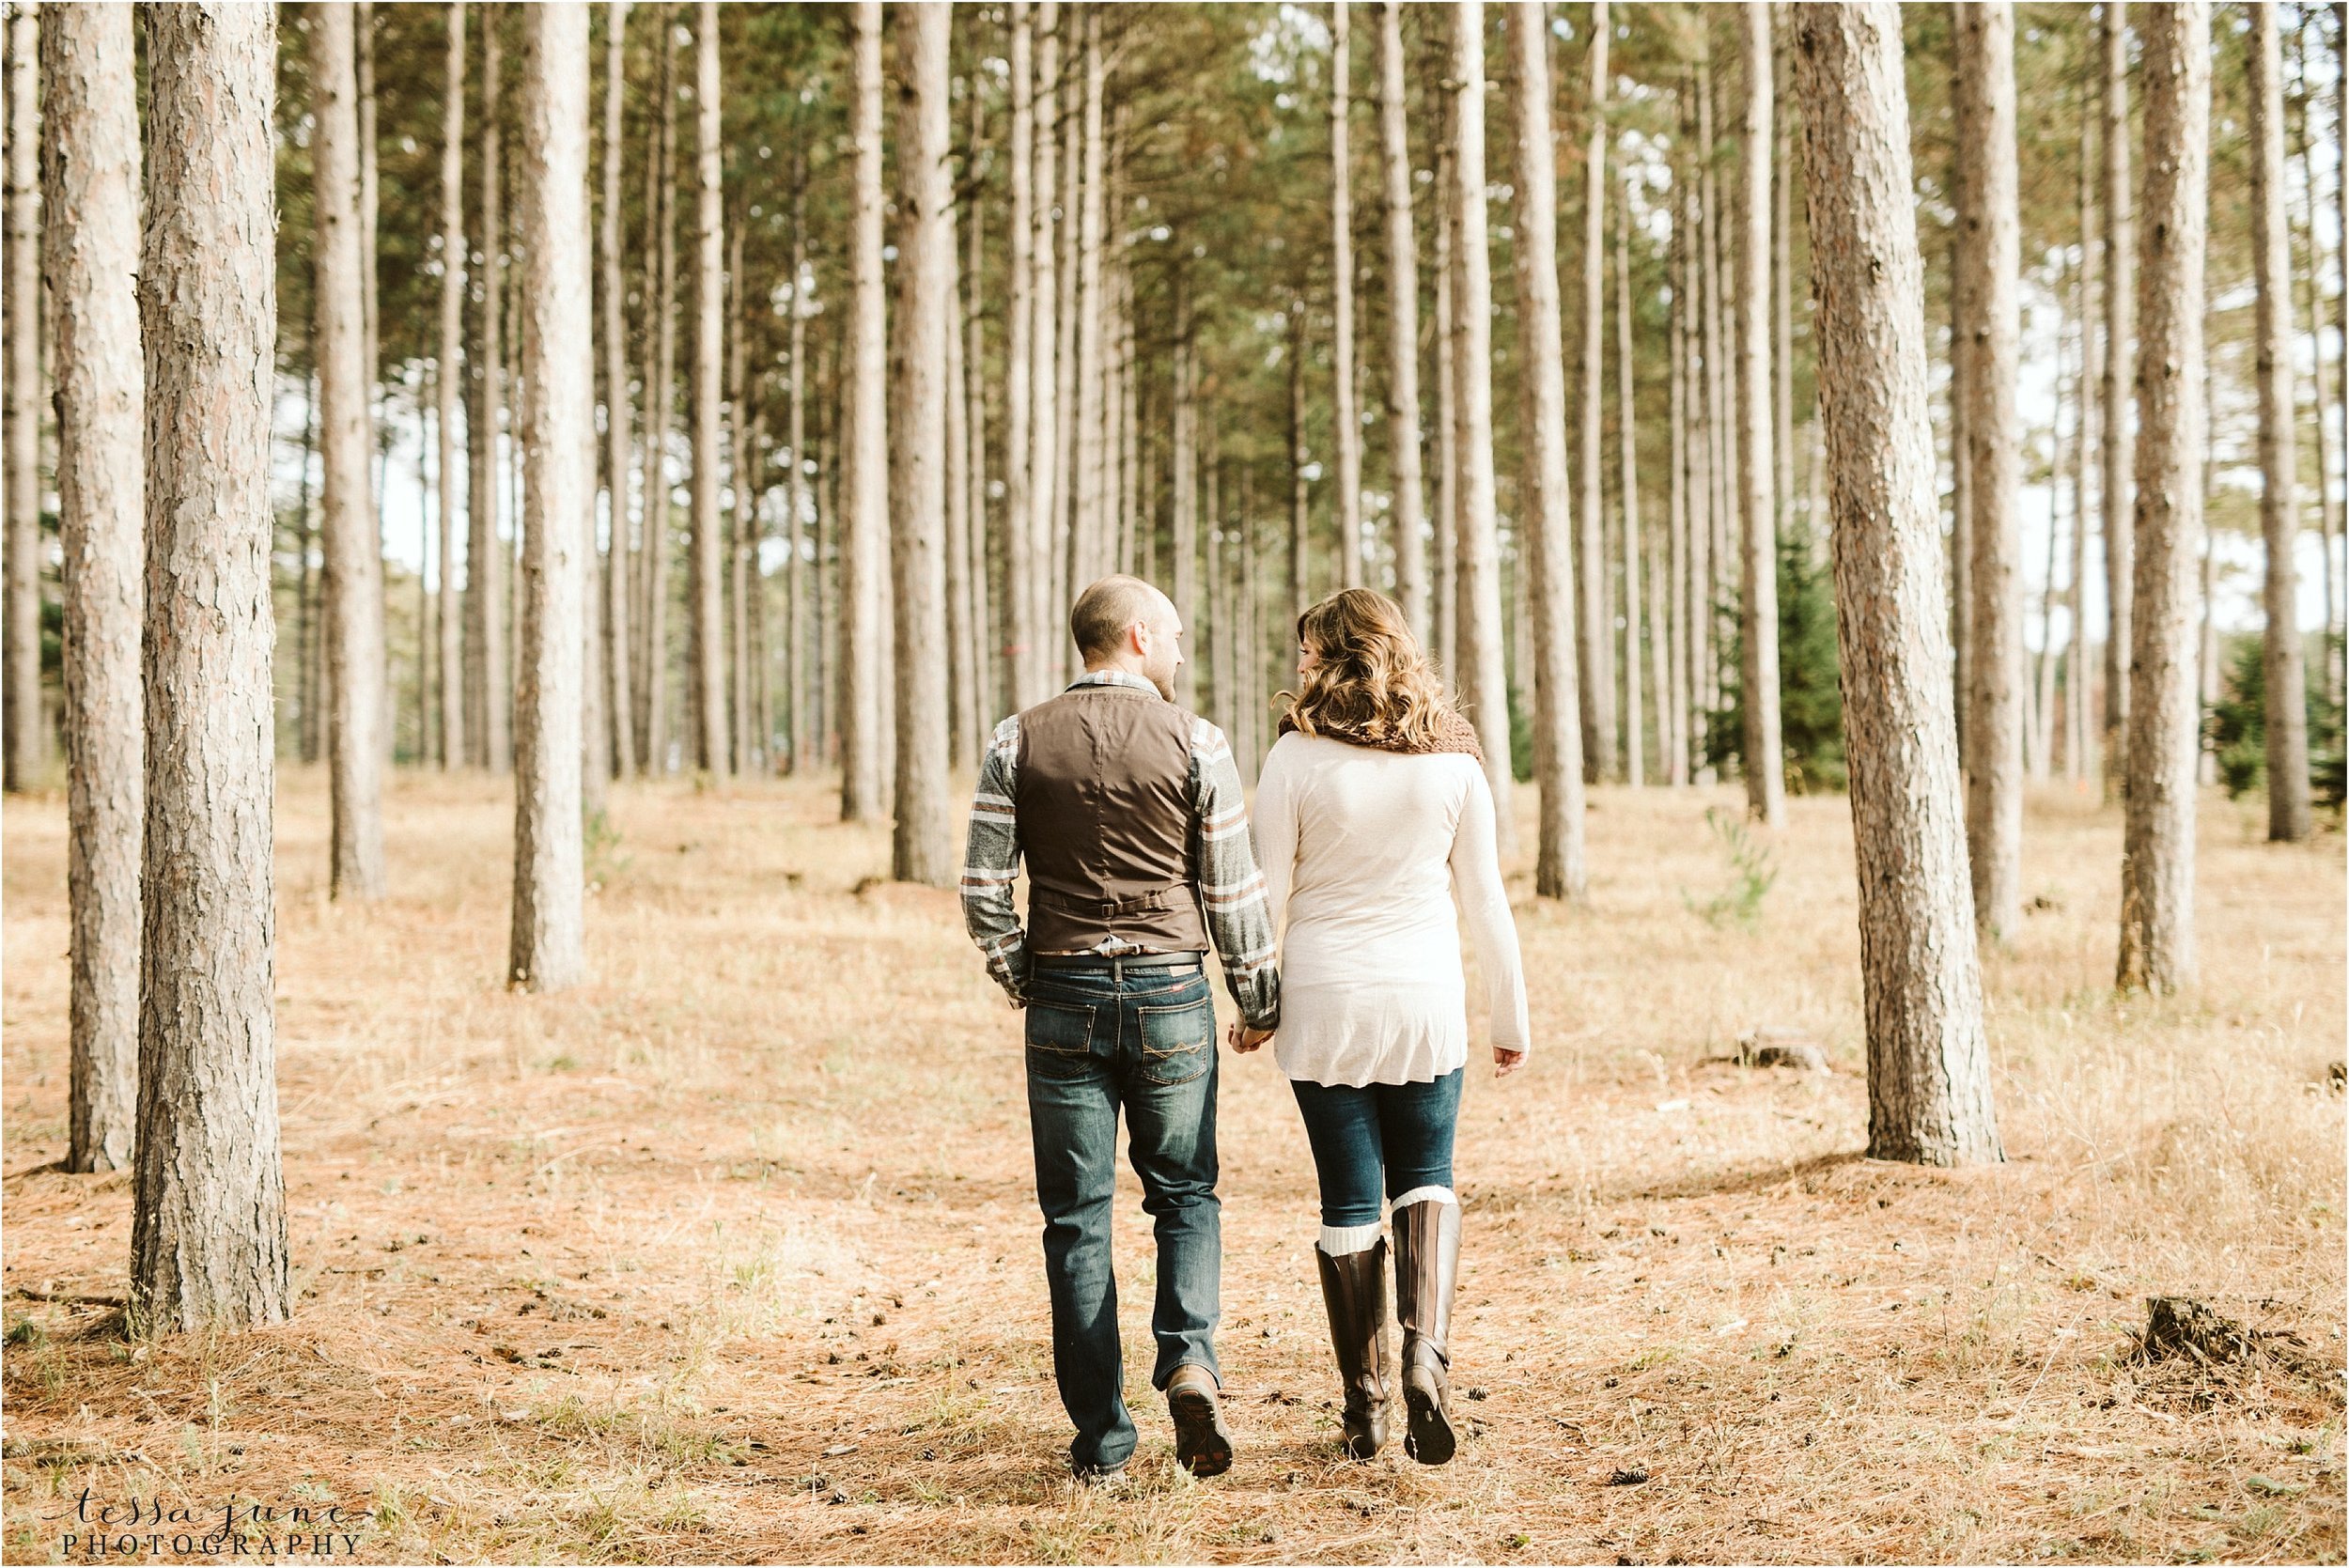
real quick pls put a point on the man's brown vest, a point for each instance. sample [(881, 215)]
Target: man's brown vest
[(1103, 796)]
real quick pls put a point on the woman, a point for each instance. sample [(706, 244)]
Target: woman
[(1373, 811)]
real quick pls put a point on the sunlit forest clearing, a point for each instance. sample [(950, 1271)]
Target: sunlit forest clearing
[(730, 1253)]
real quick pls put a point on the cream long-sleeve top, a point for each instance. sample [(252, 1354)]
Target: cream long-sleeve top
[(1363, 851)]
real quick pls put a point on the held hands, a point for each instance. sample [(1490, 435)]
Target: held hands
[(1242, 1038)]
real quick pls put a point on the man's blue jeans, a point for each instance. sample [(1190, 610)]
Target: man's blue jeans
[(1142, 1039)]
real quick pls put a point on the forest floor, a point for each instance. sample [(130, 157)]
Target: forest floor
[(731, 1255)]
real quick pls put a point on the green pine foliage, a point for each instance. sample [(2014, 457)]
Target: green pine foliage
[(2238, 723), (1810, 696)]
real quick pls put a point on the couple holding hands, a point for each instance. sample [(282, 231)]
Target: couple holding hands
[(1341, 947)]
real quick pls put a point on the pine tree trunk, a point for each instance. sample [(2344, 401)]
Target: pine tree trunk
[(1219, 591), (619, 434), (1671, 625), (1021, 611), (1086, 524), (1347, 424), (1545, 508), (447, 382), (1928, 1063), (986, 687), (1061, 557), (1697, 589), (557, 438), (742, 526), (864, 533), (1044, 365), (962, 686), (1485, 695), (1403, 434), (2078, 744), (1299, 488), (208, 1219), (485, 573), (922, 849), (798, 496), (1185, 462), (1990, 251), (90, 193), (1627, 447), (2286, 699), (706, 636), (652, 671), (26, 746), (1962, 354), (1594, 623), (1446, 553), (2120, 236), (1764, 763), (310, 680), (1714, 352), (2157, 841), (355, 565), (1782, 289)]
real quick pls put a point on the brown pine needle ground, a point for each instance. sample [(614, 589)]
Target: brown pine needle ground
[(731, 1255)]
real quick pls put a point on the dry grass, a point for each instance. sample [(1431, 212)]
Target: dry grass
[(731, 1255)]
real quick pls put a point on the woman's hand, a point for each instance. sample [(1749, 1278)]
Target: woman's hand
[(1241, 1038), (1506, 1061)]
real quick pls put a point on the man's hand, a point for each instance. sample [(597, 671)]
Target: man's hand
[(1243, 1039), (1506, 1061)]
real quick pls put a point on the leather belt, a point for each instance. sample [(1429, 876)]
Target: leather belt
[(1118, 965)]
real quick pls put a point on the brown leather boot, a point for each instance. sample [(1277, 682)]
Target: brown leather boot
[(1203, 1444), (1354, 1289), (1426, 1263)]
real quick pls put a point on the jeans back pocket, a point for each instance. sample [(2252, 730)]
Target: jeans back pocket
[(1178, 1037), (1058, 1028)]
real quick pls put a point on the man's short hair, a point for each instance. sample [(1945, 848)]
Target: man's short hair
[(1102, 613)]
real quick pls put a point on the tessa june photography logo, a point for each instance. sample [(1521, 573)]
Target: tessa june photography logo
[(101, 1530)]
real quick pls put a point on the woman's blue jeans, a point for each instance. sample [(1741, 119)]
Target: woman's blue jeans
[(1142, 1041), (1378, 1139)]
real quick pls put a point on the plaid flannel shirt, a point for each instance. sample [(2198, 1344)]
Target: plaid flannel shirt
[(1222, 864)]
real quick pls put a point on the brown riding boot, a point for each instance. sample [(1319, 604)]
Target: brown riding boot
[(1426, 1263), (1354, 1290)]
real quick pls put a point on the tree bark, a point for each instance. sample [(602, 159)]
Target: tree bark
[(1345, 420), (1185, 463), (2286, 703), (448, 383), (961, 676), (355, 565), (705, 686), (797, 494), (2311, 291), (485, 574), (980, 718), (208, 1219), (546, 951), (1628, 446), (619, 423), (26, 746), (1764, 763), (2120, 346), (1446, 613), (1019, 608), (863, 531), (1485, 694), (1059, 558), (1698, 589), (90, 193), (1593, 621), (1928, 1063), (1403, 434), (1545, 508), (1714, 350), (2157, 841), (1044, 367), (1301, 488), (923, 849), (652, 670), (2078, 744), (1672, 693), (1087, 525), (1989, 252)]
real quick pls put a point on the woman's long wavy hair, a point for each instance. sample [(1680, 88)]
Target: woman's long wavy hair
[(1371, 682)]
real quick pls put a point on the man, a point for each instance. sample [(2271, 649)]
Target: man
[(1128, 812)]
